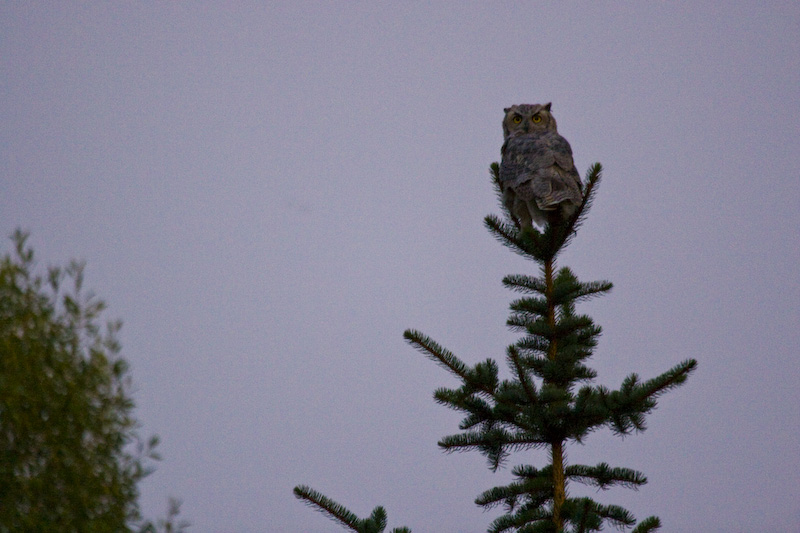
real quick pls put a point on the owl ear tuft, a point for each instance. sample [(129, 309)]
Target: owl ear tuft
[(547, 106), (506, 109)]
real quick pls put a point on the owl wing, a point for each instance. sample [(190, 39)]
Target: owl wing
[(564, 179), (523, 156), (561, 150), (539, 166)]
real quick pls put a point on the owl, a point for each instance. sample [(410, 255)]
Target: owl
[(538, 179)]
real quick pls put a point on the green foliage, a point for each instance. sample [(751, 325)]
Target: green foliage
[(550, 400), (66, 422), (170, 524), (376, 523)]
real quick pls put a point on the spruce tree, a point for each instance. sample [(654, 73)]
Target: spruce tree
[(549, 402)]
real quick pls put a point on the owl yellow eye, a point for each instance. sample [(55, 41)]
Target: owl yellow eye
[(536, 119), (517, 119)]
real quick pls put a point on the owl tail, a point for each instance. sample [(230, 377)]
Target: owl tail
[(553, 202)]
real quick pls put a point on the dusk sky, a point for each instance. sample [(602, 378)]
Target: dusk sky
[(268, 194)]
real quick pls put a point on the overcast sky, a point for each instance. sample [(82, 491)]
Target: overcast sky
[(268, 196)]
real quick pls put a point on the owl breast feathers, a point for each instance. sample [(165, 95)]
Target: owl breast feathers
[(537, 175)]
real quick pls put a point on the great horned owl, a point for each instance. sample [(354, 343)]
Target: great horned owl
[(538, 179)]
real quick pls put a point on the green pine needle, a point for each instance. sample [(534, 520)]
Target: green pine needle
[(327, 506), (648, 525)]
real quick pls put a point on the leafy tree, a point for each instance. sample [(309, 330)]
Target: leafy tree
[(70, 455), (170, 524), (550, 401)]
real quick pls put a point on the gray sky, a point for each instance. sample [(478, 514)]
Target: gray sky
[(269, 196)]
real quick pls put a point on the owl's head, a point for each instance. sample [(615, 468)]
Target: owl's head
[(527, 118)]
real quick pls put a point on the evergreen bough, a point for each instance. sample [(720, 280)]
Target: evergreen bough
[(549, 402)]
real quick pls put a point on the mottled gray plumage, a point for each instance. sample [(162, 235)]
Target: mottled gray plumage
[(537, 175)]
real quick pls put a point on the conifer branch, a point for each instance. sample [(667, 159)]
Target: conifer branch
[(434, 351), (494, 172), (506, 234), (376, 522), (526, 520), (523, 283), (647, 525), (327, 506), (527, 385), (465, 400), (593, 176), (623, 410), (629, 405), (603, 476), (493, 442), (569, 291), (517, 496), (533, 486), (670, 379), (535, 306), (482, 378), (588, 515), (584, 515), (619, 517)]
